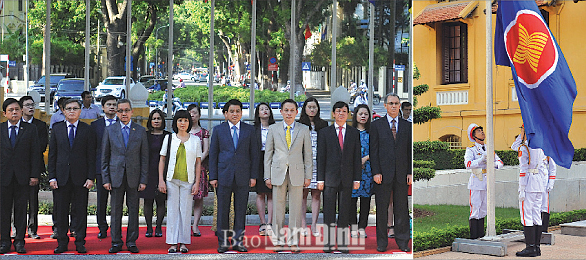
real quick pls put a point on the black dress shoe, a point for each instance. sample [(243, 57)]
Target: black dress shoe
[(148, 234), (20, 249), (34, 236), (114, 249), (158, 234), (81, 249), (328, 250), (102, 234), (222, 249), (405, 249), (381, 249), (240, 248), (133, 249), (72, 234), (4, 249), (60, 249), (54, 235), (197, 234)]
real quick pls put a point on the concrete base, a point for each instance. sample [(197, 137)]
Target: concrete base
[(577, 228), (474, 246), (546, 238)]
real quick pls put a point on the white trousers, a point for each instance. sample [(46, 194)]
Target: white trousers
[(545, 202), (179, 208), (477, 204), (531, 209)]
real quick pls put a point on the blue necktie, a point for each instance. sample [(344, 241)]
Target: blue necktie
[(111, 121), (13, 135), (125, 135), (235, 137), (71, 134)]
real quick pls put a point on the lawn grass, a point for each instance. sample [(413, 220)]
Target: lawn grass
[(452, 215)]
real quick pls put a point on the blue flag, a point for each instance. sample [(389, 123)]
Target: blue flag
[(545, 87)]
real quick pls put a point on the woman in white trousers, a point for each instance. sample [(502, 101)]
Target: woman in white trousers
[(179, 181)]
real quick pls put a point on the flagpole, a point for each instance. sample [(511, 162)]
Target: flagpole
[(252, 61), (489, 141)]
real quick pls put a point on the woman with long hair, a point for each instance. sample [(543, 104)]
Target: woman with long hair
[(156, 134), (204, 136), (361, 120), (181, 181), (310, 117), (263, 118)]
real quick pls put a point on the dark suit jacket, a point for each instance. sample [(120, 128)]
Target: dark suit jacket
[(388, 156), (22, 161), (99, 125), (227, 164), (77, 162), (336, 166), (43, 132), (118, 160)]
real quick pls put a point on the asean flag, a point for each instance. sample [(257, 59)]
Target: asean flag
[(545, 87)]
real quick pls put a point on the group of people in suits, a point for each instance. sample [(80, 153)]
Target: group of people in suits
[(297, 157)]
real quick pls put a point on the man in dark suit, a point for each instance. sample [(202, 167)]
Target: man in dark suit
[(339, 170), (19, 169), (109, 107), (72, 159), (233, 168), (125, 162), (391, 163), (28, 111)]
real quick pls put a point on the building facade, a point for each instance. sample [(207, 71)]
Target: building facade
[(449, 49)]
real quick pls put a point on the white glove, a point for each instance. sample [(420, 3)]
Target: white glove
[(484, 158), (549, 186), (522, 193)]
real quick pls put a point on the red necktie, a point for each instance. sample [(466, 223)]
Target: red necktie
[(341, 138), (394, 129)]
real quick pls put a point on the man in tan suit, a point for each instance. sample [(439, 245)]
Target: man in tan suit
[(288, 167)]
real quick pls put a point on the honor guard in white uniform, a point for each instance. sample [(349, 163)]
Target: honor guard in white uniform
[(549, 181), (475, 159), (533, 181)]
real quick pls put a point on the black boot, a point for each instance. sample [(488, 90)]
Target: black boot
[(537, 240), (473, 228), (544, 222), (529, 251), (480, 227)]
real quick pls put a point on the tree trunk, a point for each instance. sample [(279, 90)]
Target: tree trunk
[(138, 46), (114, 17)]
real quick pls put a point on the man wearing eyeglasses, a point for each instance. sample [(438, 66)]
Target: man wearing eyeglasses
[(391, 163), (72, 159), (28, 112), (19, 169), (125, 161)]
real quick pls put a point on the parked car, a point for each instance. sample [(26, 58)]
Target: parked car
[(71, 88), (154, 85), (145, 79), (39, 86), (115, 86), (184, 76), (202, 78)]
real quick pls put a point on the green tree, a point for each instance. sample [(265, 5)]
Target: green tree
[(425, 113)]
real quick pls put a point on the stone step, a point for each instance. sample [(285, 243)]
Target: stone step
[(577, 228)]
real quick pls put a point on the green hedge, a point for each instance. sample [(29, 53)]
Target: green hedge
[(445, 158), (436, 238), (423, 174), (225, 93)]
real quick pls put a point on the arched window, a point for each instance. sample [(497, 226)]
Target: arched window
[(453, 141)]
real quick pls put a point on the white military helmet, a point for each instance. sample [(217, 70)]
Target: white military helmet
[(471, 129)]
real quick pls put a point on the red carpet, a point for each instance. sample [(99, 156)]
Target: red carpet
[(206, 244)]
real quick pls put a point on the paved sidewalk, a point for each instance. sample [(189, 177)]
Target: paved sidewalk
[(565, 247)]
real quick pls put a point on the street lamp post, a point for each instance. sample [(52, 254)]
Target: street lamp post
[(157, 50)]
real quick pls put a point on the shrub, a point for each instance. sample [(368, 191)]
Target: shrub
[(435, 238), (423, 174), (423, 164), (223, 94)]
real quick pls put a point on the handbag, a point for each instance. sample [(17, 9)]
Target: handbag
[(157, 192)]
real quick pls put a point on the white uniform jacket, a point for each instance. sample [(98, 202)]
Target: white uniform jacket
[(475, 159)]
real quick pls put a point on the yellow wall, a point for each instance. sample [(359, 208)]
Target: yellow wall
[(566, 22)]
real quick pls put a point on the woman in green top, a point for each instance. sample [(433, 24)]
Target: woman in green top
[(180, 182)]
